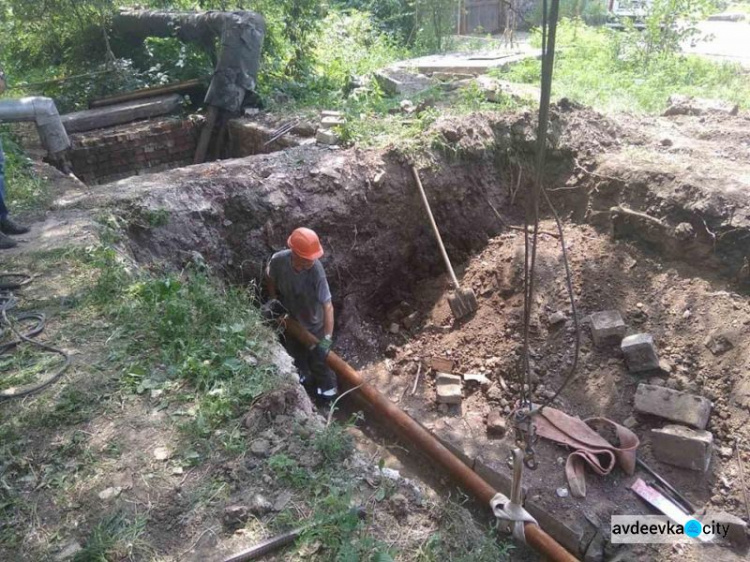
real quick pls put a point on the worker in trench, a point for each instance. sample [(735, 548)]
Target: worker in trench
[(297, 285), (7, 226)]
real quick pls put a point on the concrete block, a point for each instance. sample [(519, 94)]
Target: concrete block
[(466, 453), (574, 535), (448, 388), (327, 137), (680, 407), (736, 527), (330, 122), (497, 475), (388, 84), (496, 425), (682, 446), (447, 378), (640, 353), (607, 326)]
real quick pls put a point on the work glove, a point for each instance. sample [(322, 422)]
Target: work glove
[(323, 347), (273, 310)]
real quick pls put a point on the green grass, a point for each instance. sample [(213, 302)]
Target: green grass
[(459, 541), (185, 328), (595, 66), (116, 537)]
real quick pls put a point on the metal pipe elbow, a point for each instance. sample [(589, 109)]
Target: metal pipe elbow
[(43, 112)]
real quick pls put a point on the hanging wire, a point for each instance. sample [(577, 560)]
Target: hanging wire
[(549, 30)]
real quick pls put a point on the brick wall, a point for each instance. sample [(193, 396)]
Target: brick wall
[(144, 147)]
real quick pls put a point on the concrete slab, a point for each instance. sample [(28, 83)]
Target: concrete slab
[(466, 63)]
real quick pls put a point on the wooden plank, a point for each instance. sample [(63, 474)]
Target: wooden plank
[(109, 116)]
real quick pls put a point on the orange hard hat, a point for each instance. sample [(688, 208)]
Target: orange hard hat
[(305, 243)]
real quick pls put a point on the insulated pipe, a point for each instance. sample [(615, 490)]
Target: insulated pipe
[(44, 112), (144, 93), (469, 480)]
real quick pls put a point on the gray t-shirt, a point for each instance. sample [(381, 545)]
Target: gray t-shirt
[(303, 293)]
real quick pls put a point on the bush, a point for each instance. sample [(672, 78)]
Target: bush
[(347, 46)]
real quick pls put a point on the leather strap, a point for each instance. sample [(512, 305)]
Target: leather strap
[(589, 446)]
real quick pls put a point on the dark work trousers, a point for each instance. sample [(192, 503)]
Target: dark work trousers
[(315, 375), (3, 208)]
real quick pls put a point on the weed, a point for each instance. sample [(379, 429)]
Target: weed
[(460, 541), (288, 471), (72, 407), (26, 365), (117, 537), (334, 443), (156, 217)]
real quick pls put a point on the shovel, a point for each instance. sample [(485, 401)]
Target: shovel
[(463, 301)]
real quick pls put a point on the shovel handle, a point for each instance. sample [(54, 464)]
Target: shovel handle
[(435, 228)]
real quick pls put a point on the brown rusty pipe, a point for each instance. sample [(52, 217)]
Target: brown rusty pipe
[(469, 480)]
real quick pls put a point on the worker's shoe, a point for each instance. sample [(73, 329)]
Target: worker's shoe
[(8, 226), (6, 242)]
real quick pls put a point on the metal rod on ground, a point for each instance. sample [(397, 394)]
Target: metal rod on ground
[(275, 543), (666, 484), (280, 132), (469, 480)]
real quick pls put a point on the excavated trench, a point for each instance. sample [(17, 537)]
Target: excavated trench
[(622, 222)]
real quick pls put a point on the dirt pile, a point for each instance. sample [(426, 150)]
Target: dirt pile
[(686, 315)]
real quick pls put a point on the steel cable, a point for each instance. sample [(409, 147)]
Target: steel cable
[(8, 322)]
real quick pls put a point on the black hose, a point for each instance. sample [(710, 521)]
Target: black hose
[(9, 301)]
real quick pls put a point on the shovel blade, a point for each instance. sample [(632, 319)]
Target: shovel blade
[(463, 302)]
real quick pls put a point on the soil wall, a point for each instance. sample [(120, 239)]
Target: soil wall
[(365, 205)]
